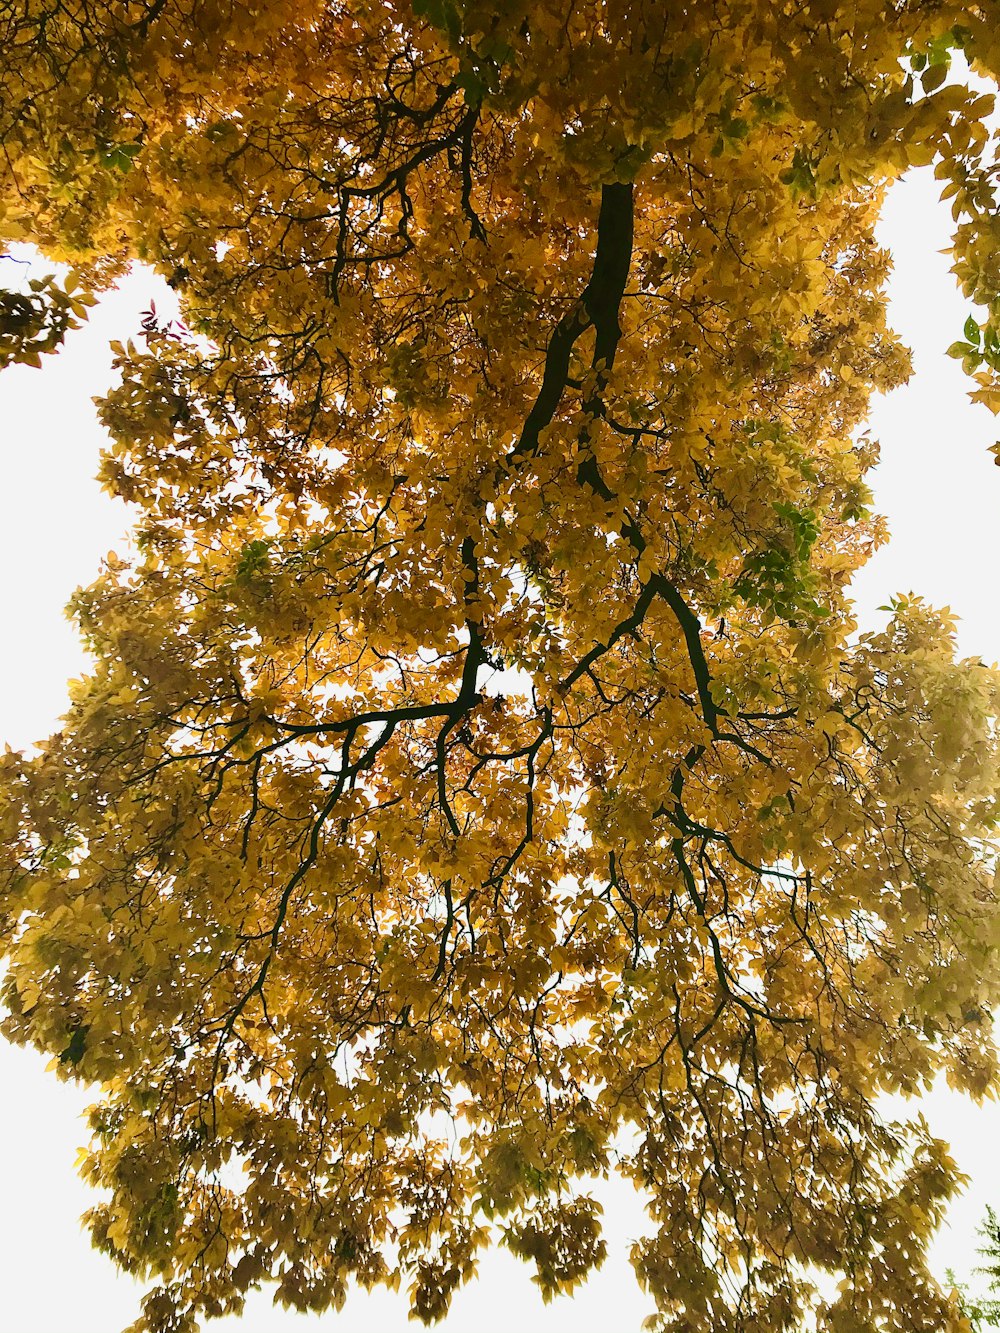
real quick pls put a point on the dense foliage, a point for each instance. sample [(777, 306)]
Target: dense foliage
[(480, 786)]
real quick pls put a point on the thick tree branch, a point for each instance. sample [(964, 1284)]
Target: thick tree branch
[(597, 307)]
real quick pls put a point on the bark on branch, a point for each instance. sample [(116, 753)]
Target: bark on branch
[(597, 308)]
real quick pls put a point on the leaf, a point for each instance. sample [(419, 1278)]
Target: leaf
[(73, 1053), (934, 77)]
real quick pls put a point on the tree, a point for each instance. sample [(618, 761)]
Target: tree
[(479, 787), (983, 1312)]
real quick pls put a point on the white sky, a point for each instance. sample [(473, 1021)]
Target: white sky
[(941, 492)]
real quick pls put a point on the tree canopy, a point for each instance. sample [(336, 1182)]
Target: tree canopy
[(481, 785)]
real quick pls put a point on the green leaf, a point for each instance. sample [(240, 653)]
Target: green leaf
[(440, 14), (73, 1053), (253, 561)]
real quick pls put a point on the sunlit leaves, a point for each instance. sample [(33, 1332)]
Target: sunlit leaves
[(479, 787)]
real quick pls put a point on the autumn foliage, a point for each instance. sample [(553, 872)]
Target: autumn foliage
[(480, 787)]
